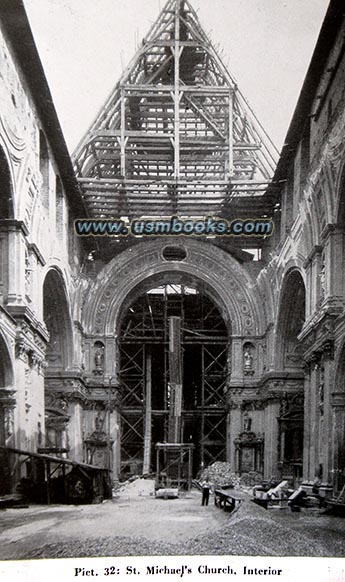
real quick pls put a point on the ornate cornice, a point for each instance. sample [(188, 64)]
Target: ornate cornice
[(69, 388), (12, 224), (248, 438)]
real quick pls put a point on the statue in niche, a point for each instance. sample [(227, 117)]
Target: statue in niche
[(99, 359), (247, 423), (9, 423), (99, 422), (248, 361), (39, 434), (284, 404), (322, 277), (28, 274)]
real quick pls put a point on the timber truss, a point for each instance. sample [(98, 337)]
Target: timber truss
[(176, 135)]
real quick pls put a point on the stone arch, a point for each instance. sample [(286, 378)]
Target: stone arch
[(7, 405), (56, 315), (225, 280), (177, 277), (290, 319), (340, 198), (338, 420), (162, 312), (6, 366), (6, 187)]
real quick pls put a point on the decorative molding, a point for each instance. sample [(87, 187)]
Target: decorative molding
[(228, 283), (35, 250), (12, 224)]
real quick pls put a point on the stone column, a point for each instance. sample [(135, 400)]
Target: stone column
[(333, 250), (236, 361), (233, 430), (16, 264), (271, 459), (110, 356), (338, 402), (326, 409), (306, 425), (314, 413), (75, 430), (116, 449)]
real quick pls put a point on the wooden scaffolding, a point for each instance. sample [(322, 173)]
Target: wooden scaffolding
[(151, 409), (176, 136)]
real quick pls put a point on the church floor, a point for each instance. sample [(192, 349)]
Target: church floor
[(148, 526)]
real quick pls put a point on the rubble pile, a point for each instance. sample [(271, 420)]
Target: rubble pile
[(220, 474), (252, 531), (135, 487)]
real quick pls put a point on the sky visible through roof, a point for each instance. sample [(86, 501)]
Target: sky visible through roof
[(84, 46)]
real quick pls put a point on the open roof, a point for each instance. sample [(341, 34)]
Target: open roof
[(176, 135)]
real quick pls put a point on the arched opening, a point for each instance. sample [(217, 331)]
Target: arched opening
[(57, 319), (341, 199), (7, 404), (58, 356), (289, 355), (174, 346), (6, 212), (290, 322), (6, 191), (338, 424)]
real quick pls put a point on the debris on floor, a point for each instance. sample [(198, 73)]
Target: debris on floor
[(220, 474), (138, 487), (167, 493)]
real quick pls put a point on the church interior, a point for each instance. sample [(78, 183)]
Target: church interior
[(125, 355)]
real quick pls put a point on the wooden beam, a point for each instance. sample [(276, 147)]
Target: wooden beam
[(231, 134), (148, 414)]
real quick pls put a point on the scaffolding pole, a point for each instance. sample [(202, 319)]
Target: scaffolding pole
[(148, 415), (175, 377)]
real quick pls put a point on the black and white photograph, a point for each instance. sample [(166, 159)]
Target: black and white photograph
[(172, 289)]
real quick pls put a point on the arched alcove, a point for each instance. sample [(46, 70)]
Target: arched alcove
[(340, 198), (291, 318), (56, 316), (338, 421), (171, 336), (58, 356), (6, 188), (7, 404)]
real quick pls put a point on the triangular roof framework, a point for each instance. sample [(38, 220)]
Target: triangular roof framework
[(176, 136)]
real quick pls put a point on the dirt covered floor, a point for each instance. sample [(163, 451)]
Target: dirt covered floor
[(142, 525)]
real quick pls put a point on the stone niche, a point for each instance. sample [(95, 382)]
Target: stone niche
[(248, 453)]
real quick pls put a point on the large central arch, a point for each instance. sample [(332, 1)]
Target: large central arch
[(200, 265), (172, 330), (227, 282)]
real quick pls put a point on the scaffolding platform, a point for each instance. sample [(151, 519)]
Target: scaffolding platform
[(174, 465)]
